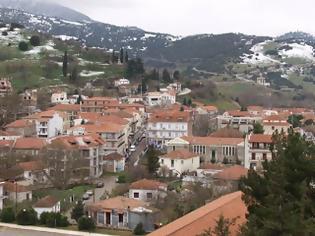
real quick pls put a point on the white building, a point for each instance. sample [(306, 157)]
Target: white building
[(257, 150), (1, 195), (120, 82), (180, 161), (48, 123), (161, 98), (165, 126), (61, 98), (147, 190), (275, 123), (47, 204), (262, 81)]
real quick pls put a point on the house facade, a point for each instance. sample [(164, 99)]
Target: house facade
[(90, 148), (114, 163), (1, 195), (257, 150), (147, 190), (123, 213), (179, 162), (211, 149), (17, 192), (164, 126), (47, 204), (161, 98)]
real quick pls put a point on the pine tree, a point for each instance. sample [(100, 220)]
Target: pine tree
[(78, 211), (258, 128), (176, 75), (166, 77), (65, 64), (121, 57), (126, 57), (280, 200), (114, 58), (153, 160), (74, 74)]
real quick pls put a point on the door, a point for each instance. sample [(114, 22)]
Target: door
[(108, 216)]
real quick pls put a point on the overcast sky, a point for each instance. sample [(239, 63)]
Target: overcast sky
[(185, 17)]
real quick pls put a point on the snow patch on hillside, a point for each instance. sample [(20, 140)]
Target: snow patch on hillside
[(88, 73), (258, 55), (65, 37), (299, 50)]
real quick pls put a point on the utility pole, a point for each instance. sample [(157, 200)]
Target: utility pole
[(16, 197)]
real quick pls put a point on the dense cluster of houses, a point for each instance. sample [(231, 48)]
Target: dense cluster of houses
[(103, 129)]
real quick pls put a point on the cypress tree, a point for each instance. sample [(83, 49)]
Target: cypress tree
[(65, 64), (121, 57)]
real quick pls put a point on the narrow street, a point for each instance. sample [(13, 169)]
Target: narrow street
[(135, 156)]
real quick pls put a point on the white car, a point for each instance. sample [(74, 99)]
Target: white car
[(89, 192), (132, 148)]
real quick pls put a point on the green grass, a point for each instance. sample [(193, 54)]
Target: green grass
[(63, 195), (270, 46)]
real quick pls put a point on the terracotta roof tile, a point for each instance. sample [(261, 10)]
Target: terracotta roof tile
[(197, 221), (260, 138), (118, 203), (19, 124), (78, 142), (147, 184), (113, 157), (30, 143), (66, 107), (170, 116), (212, 140), (232, 173), (179, 154), (30, 165), (46, 202), (13, 187)]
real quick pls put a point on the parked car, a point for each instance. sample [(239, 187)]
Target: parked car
[(132, 148), (100, 185), (89, 192), (86, 196)]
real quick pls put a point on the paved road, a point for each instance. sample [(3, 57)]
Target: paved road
[(5, 231), (134, 158)]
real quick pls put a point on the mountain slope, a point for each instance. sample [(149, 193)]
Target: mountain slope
[(44, 8), (206, 52)]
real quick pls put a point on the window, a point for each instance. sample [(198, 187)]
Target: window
[(264, 156), (136, 195), (182, 162), (273, 128), (27, 196), (162, 161), (100, 218), (230, 151), (120, 218), (253, 156), (174, 148), (149, 195), (172, 163)]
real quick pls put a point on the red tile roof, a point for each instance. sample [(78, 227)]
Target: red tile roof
[(19, 124), (30, 165), (170, 116), (179, 154), (260, 138), (147, 184), (113, 157), (13, 187), (30, 143), (212, 140), (237, 113), (66, 107), (232, 173), (78, 142), (196, 222), (46, 202)]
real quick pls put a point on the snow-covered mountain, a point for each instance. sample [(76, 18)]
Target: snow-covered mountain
[(47, 8)]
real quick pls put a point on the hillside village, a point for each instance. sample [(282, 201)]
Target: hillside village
[(94, 140)]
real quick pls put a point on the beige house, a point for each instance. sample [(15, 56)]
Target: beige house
[(275, 123), (17, 192), (147, 190), (179, 162), (211, 149)]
